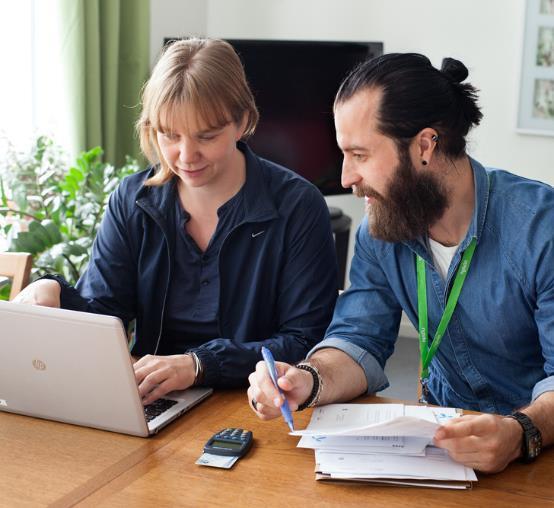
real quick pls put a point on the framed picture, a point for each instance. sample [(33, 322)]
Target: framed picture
[(536, 97)]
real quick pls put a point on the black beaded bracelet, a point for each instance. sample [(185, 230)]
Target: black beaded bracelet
[(313, 398)]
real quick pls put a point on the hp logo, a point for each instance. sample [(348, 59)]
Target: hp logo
[(39, 365)]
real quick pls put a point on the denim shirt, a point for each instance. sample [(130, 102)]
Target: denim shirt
[(498, 351)]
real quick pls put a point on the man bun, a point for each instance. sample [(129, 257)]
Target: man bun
[(415, 95), (454, 70)]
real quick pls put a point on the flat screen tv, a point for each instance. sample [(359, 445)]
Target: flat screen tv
[(294, 84)]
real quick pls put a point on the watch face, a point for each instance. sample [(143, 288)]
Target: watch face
[(533, 446)]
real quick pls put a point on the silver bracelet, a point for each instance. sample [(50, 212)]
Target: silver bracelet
[(198, 370)]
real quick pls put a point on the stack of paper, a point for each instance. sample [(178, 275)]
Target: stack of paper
[(382, 443)]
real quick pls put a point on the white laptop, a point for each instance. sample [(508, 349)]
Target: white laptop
[(75, 367)]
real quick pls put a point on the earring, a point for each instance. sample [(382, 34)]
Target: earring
[(435, 137), (424, 162)]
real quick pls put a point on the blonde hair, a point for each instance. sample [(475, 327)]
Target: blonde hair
[(205, 75)]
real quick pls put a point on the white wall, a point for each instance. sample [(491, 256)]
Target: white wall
[(486, 35), (175, 18)]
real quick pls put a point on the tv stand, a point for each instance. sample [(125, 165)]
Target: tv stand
[(340, 224)]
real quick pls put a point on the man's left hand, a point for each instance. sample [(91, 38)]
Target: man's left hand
[(486, 442), (158, 375)]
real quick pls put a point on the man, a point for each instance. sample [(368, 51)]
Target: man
[(478, 243)]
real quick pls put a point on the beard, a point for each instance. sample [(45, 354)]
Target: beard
[(414, 201)]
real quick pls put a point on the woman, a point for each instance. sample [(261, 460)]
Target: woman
[(213, 250)]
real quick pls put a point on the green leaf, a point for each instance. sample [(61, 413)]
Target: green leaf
[(74, 249), (3, 195), (53, 232), (40, 233), (76, 174), (25, 242), (5, 292)]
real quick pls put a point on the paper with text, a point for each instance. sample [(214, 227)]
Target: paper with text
[(376, 420), (435, 465), (367, 444)]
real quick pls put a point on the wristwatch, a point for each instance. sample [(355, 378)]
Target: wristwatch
[(532, 439)]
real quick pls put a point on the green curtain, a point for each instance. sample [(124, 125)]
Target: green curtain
[(106, 47)]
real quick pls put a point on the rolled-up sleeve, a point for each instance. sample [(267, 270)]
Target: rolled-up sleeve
[(543, 386), (374, 373)]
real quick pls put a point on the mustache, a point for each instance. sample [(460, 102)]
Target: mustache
[(366, 191)]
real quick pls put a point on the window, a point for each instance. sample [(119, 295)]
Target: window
[(33, 91)]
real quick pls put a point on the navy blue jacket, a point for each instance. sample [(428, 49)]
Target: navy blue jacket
[(277, 289)]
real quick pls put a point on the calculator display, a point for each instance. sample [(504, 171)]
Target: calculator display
[(226, 444)]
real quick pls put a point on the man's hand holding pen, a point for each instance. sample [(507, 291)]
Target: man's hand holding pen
[(296, 385)]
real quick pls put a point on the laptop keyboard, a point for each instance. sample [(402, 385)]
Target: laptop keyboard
[(155, 409)]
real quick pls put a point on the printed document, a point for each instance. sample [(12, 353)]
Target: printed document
[(383, 443), (435, 465), (396, 445), (376, 420)]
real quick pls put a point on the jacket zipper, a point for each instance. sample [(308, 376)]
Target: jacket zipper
[(168, 274)]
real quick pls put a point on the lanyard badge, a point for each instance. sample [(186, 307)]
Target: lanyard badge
[(427, 353)]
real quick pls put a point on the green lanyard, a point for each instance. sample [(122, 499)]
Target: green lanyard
[(427, 353)]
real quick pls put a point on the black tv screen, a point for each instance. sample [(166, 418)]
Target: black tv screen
[(294, 83)]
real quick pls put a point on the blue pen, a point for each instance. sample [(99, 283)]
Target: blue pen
[(270, 363)]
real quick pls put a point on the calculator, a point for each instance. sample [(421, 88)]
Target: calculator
[(230, 442)]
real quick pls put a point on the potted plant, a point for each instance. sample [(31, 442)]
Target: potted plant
[(52, 211)]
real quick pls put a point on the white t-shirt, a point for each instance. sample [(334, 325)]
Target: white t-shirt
[(442, 256)]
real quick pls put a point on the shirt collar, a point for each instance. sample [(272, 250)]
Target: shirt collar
[(482, 189), (257, 200)]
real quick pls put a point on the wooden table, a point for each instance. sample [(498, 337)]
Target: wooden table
[(47, 463)]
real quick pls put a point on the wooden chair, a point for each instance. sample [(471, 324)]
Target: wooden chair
[(16, 266)]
